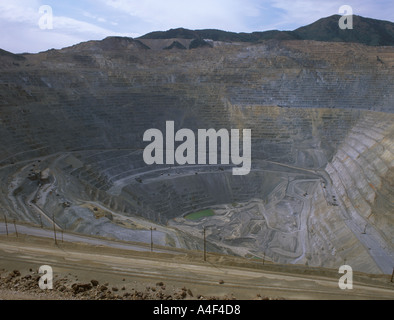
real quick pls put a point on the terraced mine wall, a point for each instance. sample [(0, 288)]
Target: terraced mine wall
[(322, 126)]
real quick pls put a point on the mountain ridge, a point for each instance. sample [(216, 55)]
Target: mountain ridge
[(366, 31)]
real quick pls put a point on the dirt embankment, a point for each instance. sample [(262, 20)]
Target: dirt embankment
[(14, 285), (81, 272), (90, 272)]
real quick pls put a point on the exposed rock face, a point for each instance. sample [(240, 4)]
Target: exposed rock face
[(321, 116)]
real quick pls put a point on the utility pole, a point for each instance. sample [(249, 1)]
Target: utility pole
[(16, 231), (151, 238), (41, 225), (54, 228), (6, 225), (205, 246)]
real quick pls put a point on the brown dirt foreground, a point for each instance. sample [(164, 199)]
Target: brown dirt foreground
[(86, 272)]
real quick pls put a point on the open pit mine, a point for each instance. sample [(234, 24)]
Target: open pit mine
[(320, 187)]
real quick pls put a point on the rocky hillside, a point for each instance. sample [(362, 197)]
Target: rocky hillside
[(72, 123)]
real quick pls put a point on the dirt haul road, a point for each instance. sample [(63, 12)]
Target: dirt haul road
[(220, 277)]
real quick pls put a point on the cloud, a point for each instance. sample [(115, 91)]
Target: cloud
[(73, 26), (94, 17), (20, 11), (21, 32), (301, 12), (75, 21), (160, 15)]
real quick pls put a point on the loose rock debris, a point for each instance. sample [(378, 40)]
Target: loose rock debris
[(66, 288)]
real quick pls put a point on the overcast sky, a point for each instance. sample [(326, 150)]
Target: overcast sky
[(75, 21)]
